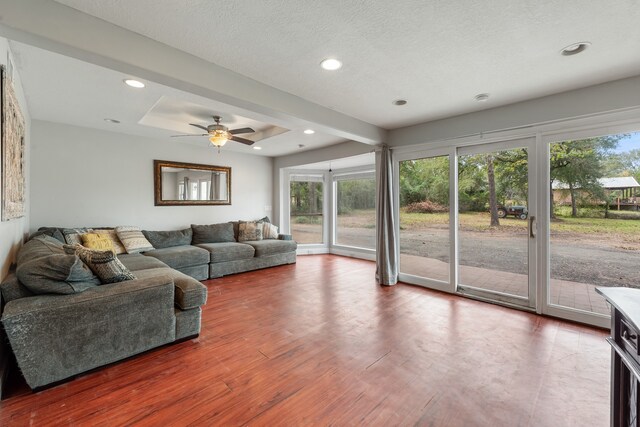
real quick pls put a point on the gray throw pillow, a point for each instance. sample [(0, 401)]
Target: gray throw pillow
[(39, 247), (54, 232), (212, 233), (56, 274), (105, 264), (168, 239)]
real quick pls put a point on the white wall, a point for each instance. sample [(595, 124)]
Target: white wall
[(618, 95), (12, 232), (86, 177)]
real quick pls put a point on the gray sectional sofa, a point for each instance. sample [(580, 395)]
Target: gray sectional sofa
[(57, 336)]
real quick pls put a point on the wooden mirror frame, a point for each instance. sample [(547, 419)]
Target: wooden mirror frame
[(157, 181)]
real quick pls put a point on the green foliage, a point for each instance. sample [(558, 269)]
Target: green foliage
[(356, 194), (424, 179), (306, 197)]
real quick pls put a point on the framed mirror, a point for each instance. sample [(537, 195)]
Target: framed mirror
[(191, 184)]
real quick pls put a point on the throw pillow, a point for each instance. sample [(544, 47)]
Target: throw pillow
[(168, 239), (265, 219), (212, 233), (250, 231), (269, 231), (105, 264), (56, 274), (133, 239), (99, 242), (72, 235), (115, 241), (54, 232), (39, 247)]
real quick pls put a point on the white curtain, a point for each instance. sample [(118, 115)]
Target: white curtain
[(386, 242)]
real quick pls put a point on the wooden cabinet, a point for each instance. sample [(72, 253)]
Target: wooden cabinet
[(625, 354)]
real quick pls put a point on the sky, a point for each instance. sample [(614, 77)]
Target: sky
[(628, 144)]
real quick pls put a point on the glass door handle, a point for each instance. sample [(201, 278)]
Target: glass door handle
[(532, 227)]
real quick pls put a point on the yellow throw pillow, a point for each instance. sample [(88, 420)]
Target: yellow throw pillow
[(111, 233), (99, 242)]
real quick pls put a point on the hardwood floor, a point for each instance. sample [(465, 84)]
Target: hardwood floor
[(319, 343)]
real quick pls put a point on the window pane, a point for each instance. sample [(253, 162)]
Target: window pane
[(306, 211), (424, 218), (356, 217), (594, 218)]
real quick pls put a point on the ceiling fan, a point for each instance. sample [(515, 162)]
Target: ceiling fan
[(219, 134)]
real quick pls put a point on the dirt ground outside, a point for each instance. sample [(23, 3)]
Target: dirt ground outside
[(600, 252)]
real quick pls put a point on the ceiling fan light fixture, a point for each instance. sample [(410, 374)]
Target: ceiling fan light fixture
[(219, 138)]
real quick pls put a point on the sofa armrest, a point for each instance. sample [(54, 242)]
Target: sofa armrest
[(285, 237), (55, 337)]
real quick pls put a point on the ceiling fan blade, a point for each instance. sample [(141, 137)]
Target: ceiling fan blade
[(204, 134), (199, 126), (241, 130), (242, 140)]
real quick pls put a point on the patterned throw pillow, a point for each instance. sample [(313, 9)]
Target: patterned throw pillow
[(99, 242), (269, 231), (72, 235), (249, 231), (133, 239), (104, 264), (117, 244)]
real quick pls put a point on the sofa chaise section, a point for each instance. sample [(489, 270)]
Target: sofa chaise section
[(57, 337)]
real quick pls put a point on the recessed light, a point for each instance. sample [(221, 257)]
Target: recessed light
[(574, 49), (134, 83), (309, 131), (482, 97), (331, 64), (400, 102), (257, 148), (112, 120)]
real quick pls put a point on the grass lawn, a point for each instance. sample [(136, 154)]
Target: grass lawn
[(627, 230)]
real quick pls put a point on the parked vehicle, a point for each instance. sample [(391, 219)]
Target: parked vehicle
[(517, 211)]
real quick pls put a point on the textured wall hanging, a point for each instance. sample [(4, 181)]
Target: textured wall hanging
[(12, 135)]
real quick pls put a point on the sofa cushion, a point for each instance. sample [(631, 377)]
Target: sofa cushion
[(212, 233), (249, 231), (133, 239), (39, 247), (113, 236), (272, 247), (229, 251), (168, 239), (137, 262), (105, 264), (56, 274), (180, 256), (189, 293)]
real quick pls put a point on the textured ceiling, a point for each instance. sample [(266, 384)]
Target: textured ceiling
[(435, 54), (65, 90)]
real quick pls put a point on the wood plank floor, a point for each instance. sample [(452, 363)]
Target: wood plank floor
[(319, 343)]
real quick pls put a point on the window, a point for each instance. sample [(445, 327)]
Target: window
[(355, 211), (306, 208)]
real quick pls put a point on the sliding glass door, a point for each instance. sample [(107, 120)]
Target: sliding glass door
[(496, 220), (593, 219), (425, 237)]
